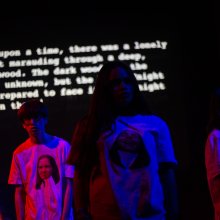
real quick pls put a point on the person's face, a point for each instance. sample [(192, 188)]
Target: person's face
[(44, 168), (35, 127), (121, 87)]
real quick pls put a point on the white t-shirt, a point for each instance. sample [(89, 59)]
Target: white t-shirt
[(44, 190), (129, 157)]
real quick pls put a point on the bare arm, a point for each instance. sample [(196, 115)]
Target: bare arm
[(68, 195), (20, 202), (168, 181)]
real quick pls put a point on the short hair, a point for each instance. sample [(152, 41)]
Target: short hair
[(32, 109)]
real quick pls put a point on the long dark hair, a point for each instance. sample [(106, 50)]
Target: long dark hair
[(214, 111), (55, 172), (100, 116)]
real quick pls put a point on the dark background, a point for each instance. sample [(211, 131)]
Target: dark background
[(193, 56)]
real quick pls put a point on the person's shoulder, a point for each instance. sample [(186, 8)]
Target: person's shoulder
[(214, 133), (61, 141), (153, 118), (23, 146), (213, 138), (155, 121), (62, 145)]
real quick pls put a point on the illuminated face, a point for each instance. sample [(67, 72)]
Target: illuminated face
[(35, 126), (121, 87), (44, 168)]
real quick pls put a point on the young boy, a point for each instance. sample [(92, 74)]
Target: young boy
[(53, 200)]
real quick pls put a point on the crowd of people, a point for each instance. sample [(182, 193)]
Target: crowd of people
[(120, 164)]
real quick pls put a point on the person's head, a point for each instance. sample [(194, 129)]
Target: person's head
[(214, 111), (33, 115), (47, 167), (117, 89), (116, 93)]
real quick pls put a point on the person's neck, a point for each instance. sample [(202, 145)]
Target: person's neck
[(126, 112), (41, 139)]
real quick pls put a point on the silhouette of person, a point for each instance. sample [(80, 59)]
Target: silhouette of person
[(123, 155)]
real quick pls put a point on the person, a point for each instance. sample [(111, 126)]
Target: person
[(212, 151), (123, 155), (41, 155)]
